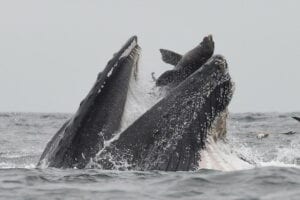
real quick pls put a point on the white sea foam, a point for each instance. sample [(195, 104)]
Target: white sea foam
[(139, 100), (219, 156)]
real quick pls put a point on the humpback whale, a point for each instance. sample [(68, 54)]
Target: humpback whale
[(185, 65), (99, 115), (169, 136)]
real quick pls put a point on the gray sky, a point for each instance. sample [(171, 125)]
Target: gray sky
[(52, 50)]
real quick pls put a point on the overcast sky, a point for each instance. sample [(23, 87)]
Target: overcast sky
[(52, 50)]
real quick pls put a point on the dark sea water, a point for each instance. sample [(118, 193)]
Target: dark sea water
[(275, 175)]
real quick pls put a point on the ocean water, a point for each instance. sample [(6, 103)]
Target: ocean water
[(275, 173)]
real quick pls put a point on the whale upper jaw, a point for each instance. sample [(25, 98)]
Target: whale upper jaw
[(99, 114)]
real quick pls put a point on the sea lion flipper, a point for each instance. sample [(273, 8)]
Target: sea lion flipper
[(166, 78), (170, 57)]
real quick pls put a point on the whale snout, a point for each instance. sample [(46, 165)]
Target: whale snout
[(221, 63)]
